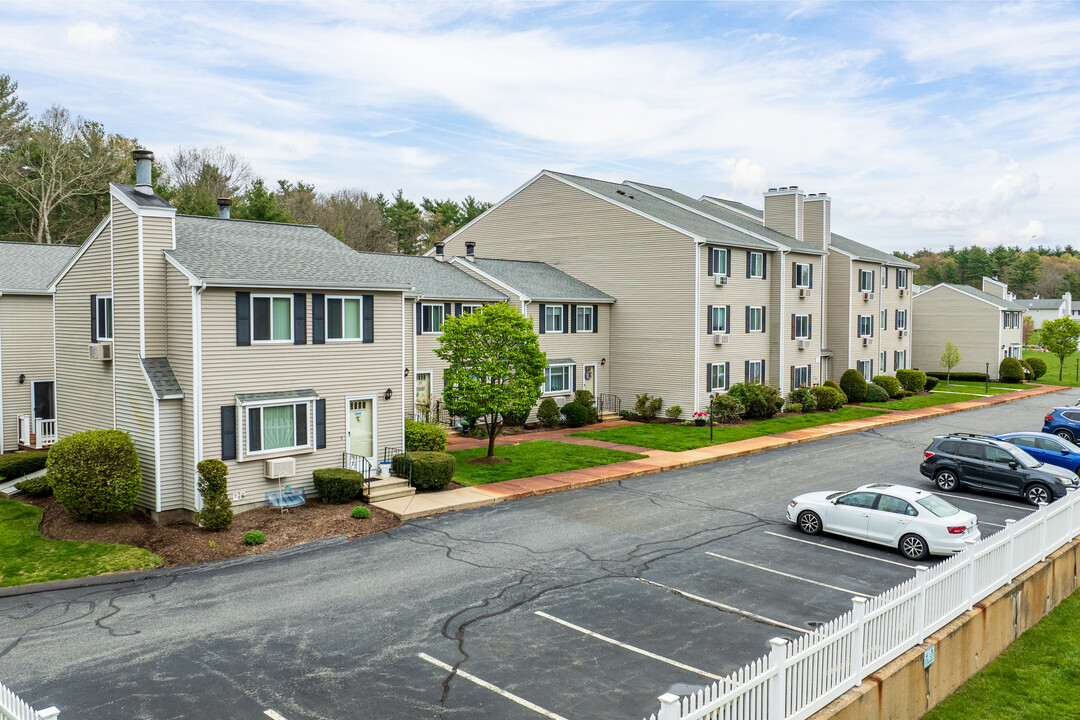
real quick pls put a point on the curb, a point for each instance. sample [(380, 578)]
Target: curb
[(663, 461)]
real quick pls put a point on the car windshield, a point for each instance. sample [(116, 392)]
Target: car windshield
[(941, 508), (1025, 459)]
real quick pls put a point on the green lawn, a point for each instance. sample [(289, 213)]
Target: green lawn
[(978, 388), (28, 557), (681, 437), (1051, 376), (531, 458), (922, 401), (1034, 679)]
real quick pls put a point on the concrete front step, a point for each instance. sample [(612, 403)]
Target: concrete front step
[(390, 494), (387, 489)]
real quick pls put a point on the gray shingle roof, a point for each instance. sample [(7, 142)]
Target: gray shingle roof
[(162, 378), (247, 252), (1042, 303), (281, 395), (142, 200), (975, 292), (434, 279), (736, 206), (31, 267), (539, 281), (562, 361)]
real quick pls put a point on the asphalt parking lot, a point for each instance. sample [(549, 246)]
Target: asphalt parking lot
[(580, 604)]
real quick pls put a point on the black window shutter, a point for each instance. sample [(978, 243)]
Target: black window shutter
[(727, 265), (318, 318), (792, 377), (763, 325), (811, 274), (573, 378), (93, 318), (228, 432), (809, 380), (543, 315), (764, 377), (708, 319), (320, 424), (243, 318), (419, 317), (885, 276), (792, 326), (565, 323), (596, 318), (885, 323), (457, 309), (727, 376), (764, 266), (747, 318), (712, 258), (447, 308), (299, 319), (367, 303), (748, 253), (254, 417), (300, 411), (871, 326), (746, 371), (794, 270), (809, 327), (573, 318), (708, 377)]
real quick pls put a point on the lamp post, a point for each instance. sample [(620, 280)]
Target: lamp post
[(987, 378)]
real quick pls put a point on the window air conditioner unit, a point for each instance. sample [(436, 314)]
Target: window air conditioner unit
[(719, 339), (280, 468), (804, 292), (100, 351), (803, 344), (903, 333), (866, 341), (721, 280), (902, 292), (868, 296)]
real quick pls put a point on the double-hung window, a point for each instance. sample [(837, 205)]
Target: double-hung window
[(901, 278), (432, 318), (884, 320), (802, 376), (103, 317), (718, 320), (899, 359), (884, 277), (881, 361), (866, 326), (470, 309), (1012, 320), (755, 319), (802, 327), (271, 318), (271, 428), (717, 376), (553, 319), (866, 281), (343, 318), (755, 264), (584, 320), (755, 371), (557, 378), (865, 368), (901, 320), (719, 259), (802, 275)]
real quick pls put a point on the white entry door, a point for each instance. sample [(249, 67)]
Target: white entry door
[(423, 388), (589, 380), (362, 428)]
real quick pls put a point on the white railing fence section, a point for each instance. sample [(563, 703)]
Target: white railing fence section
[(13, 707), (798, 678)]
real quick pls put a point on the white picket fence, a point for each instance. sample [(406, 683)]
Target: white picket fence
[(796, 679), (13, 707)]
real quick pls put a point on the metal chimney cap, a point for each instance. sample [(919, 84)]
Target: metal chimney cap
[(142, 154), (224, 202)]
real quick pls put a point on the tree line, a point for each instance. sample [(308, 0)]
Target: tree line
[(55, 170), (1042, 271)]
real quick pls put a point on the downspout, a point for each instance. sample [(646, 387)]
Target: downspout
[(780, 324), (416, 356), (3, 428), (197, 401), (698, 245), (823, 362)]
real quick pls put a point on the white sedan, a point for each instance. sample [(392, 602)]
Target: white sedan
[(917, 522)]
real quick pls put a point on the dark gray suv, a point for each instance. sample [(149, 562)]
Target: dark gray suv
[(982, 462)]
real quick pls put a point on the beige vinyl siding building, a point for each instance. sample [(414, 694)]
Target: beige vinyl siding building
[(27, 386), (985, 326)]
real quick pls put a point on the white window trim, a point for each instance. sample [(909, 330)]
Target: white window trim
[(470, 307), (799, 336), (901, 314), (98, 315), (721, 252), (858, 326), (870, 368), (423, 306), (806, 382), (760, 366), (585, 310), (569, 379), (760, 274), (718, 386), (292, 311), (901, 279), (761, 318), (726, 329), (245, 407), (326, 317), (799, 266), (869, 287), (544, 321)]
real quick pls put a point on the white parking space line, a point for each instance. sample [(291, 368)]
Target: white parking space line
[(1025, 508), (493, 688), (983, 522), (722, 606), (840, 550), (788, 575), (273, 715), (623, 645)]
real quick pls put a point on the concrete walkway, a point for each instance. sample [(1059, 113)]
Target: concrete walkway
[(425, 504)]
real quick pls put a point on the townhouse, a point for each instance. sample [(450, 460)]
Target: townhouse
[(1042, 309), (27, 397), (273, 347), (985, 325)]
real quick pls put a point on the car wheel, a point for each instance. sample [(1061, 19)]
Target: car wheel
[(1064, 434), (810, 522), (914, 547), (1038, 493), (946, 480)]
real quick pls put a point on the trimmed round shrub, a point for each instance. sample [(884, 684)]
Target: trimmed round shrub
[(673, 412), (430, 470), (834, 386), (803, 398), (548, 413), (911, 380), (759, 399), (15, 465), (890, 384), (37, 487), (854, 385), (338, 486), (1028, 372), (1010, 370), (254, 537), (931, 383), (726, 409), (95, 474), (647, 407), (968, 376), (217, 512), (1037, 365), (576, 414), (905, 394), (422, 436), (360, 512), (876, 393), (828, 398), (584, 397)]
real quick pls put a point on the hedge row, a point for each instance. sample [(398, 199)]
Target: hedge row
[(15, 465), (961, 376)]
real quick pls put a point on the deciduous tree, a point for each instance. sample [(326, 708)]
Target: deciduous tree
[(950, 358), (1060, 338)]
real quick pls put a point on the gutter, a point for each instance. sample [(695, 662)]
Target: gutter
[(698, 245), (226, 282)]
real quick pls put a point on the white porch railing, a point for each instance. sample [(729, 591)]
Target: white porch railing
[(36, 433), (13, 707), (796, 679)]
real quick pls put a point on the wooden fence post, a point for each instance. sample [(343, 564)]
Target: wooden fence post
[(1010, 550), (778, 682), (920, 603), (969, 574), (669, 707), (858, 618)]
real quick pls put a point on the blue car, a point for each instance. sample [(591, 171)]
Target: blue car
[(1063, 422), (1047, 448)]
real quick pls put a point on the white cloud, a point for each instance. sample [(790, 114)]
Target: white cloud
[(1013, 185), (89, 36)]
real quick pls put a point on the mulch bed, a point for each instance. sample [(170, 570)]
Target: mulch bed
[(186, 543)]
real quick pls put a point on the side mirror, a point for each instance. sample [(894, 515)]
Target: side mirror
[(1013, 464)]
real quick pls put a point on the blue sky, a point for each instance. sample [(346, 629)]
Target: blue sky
[(929, 124)]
